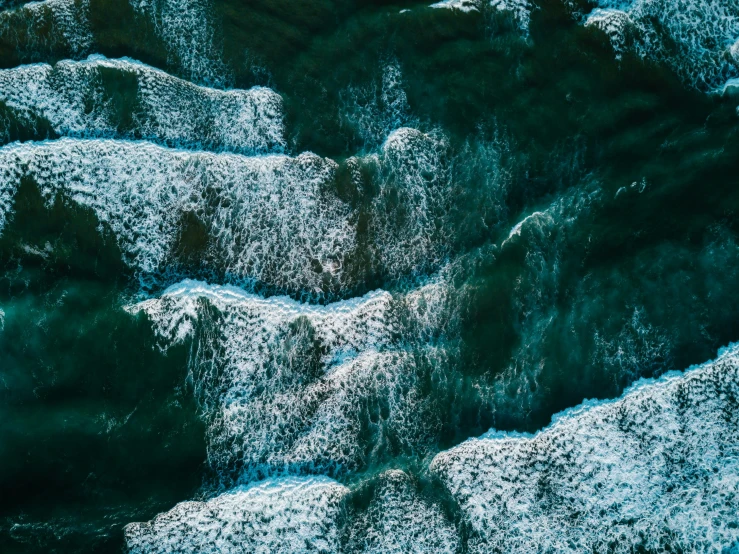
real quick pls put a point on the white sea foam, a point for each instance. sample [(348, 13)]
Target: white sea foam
[(398, 520), (409, 215), (614, 23), (7, 195), (519, 9), (71, 96), (287, 386), (271, 517), (461, 5), (319, 427), (375, 111), (657, 467), (276, 375), (41, 24), (187, 29), (516, 229), (344, 328), (730, 86), (421, 200), (269, 219), (694, 37)]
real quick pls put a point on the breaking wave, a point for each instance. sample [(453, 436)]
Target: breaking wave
[(655, 470), (43, 26), (520, 10), (287, 386), (262, 221), (77, 100), (269, 220), (187, 29), (398, 520), (695, 38), (278, 516)]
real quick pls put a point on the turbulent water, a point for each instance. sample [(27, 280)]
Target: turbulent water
[(369, 277)]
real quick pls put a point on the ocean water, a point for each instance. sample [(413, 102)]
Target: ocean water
[(369, 276)]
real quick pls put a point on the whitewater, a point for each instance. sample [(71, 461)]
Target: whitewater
[(370, 338)]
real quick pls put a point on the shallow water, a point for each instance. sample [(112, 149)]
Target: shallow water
[(304, 253)]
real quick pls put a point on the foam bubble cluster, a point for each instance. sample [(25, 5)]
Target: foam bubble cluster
[(275, 516), (693, 37), (461, 5), (656, 470), (270, 219), (398, 520), (616, 24), (73, 97)]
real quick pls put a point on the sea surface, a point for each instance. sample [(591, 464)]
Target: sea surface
[(364, 276)]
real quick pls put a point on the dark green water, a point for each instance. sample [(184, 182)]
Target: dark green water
[(622, 169)]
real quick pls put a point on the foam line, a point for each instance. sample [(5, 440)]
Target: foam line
[(519, 9), (278, 379), (345, 327), (461, 5), (287, 386), (516, 229)]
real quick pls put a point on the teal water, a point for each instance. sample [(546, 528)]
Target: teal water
[(287, 260)]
